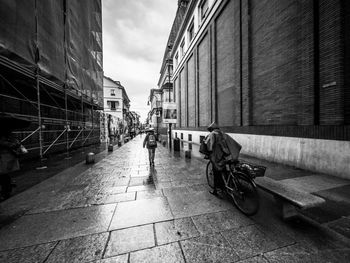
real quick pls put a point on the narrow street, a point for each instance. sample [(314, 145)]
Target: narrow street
[(120, 210)]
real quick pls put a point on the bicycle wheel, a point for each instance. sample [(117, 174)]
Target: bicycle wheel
[(243, 193), (210, 175)]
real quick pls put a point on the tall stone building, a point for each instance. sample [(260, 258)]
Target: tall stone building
[(273, 74)]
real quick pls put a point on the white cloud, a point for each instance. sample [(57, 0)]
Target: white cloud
[(135, 33)]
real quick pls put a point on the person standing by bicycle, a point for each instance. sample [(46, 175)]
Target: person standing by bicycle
[(151, 144), (217, 154)]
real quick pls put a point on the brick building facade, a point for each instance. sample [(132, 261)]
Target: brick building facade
[(268, 71)]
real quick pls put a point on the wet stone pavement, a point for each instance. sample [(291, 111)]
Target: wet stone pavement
[(121, 210)]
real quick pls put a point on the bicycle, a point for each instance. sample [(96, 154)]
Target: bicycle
[(239, 184)]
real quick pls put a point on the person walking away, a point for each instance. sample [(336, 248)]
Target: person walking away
[(151, 144), (222, 149)]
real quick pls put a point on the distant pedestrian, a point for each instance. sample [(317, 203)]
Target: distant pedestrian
[(151, 144)]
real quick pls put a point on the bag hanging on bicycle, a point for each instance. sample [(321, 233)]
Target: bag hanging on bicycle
[(203, 148)]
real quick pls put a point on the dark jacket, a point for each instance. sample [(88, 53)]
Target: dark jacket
[(217, 156), (220, 152)]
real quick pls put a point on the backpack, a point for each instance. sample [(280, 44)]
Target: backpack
[(152, 140)]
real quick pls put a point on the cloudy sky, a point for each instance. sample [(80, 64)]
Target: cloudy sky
[(135, 33)]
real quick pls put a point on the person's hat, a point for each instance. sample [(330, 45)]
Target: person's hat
[(213, 126)]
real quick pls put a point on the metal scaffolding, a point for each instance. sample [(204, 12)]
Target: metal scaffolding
[(62, 119)]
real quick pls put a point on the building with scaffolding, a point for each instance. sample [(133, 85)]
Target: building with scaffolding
[(51, 72)]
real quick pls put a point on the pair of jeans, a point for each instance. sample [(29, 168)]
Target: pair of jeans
[(151, 154)]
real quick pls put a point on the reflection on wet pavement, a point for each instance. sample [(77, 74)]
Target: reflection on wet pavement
[(121, 210)]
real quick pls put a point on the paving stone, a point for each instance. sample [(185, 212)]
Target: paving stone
[(117, 259), (195, 182), (170, 253), (142, 173), (121, 181), (143, 180), (141, 212), (187, 195), (113, 190), (175, 230), (257, 259), (28, 254), (149, 194), (149, 187), (191, 204), (215, 222), (198, 188), (73, 188), (342, 226), (249, 241), (210, 248), (301, 253), (111, 198), (43, 228), (301, 231), (130, 239), (167, 184), (59, 202), (173, 191), (79, 249)]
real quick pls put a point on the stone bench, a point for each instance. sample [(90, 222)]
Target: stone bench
[(288, 198)]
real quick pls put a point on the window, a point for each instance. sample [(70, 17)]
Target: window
[(182, 47), (190, 32), (113, 105), (112, 92), (176, 59), (203, 9)]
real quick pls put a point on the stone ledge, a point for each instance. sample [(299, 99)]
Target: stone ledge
[(297, 198)]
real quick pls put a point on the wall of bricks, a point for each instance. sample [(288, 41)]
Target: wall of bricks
[(267, 64), (345, 32), (204, 82), (227, 86), (191, 92), (331, 68)]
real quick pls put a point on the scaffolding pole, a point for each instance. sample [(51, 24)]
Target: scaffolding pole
[(76, 137), (92, 119), (67, 124), (32, 133), (83, 118), (41, 154), (53, 143)]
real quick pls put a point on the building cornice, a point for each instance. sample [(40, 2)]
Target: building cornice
[(182, 28)]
